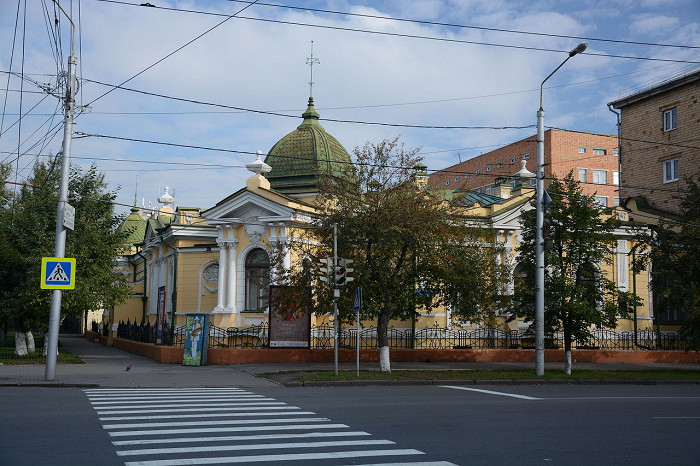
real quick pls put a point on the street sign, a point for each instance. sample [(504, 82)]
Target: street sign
[(57, 273), (68, 216), (358, 299)]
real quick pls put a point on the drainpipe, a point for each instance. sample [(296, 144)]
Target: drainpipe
[(144, 298), (619, 155), (174, 295)]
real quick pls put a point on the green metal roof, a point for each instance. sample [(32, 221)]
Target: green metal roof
[(299, 157), (133, 226)]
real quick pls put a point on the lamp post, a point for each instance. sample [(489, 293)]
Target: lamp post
[(539, 239)]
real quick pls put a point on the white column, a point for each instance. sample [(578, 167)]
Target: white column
[(231, 282), (155, 276), (221, 291)]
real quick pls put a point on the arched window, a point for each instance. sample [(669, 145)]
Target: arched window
[(257, 280)]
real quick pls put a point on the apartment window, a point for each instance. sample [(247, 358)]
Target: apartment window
[(526, 155), (581, 150), (489, 189), (616, 177), (582, 175), (447, 182), (602, 201), (670, 170), (513, 159), (467, 175), (500, 164), (478, 190), (616, 152), (670, 119), (478, 171), (456, 179), (599, 152), (488, 168), (600, 176)]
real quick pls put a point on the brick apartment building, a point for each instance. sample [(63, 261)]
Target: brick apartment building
[(660, 129), (592, 157)]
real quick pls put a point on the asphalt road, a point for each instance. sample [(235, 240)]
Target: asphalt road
[(484, 425)]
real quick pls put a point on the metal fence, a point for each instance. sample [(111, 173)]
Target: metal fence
[(435, 337)]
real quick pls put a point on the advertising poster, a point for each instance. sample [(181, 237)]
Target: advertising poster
[(290, 318), (160, 316), (196, 333)]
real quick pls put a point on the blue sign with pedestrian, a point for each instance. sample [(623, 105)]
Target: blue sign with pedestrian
[(57, 273)]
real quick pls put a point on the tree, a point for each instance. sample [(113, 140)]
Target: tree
[(27, 233), (410, 248), (672, 248), (577, 293)]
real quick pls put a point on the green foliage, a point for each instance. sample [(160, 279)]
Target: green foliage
[(672, 248), (411, 251), (27, 233), (577, 294)]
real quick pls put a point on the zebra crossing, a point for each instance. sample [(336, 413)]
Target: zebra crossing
[(188, 426)]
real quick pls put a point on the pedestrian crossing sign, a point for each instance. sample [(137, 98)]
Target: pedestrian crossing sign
[(57, 273)]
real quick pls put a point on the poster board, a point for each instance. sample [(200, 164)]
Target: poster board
[(290, 317), (160, 316), (196, 337)]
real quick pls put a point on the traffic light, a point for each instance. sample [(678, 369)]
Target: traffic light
[(326, 271), (342, 272)]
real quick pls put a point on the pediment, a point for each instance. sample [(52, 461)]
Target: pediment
[(248, 207)]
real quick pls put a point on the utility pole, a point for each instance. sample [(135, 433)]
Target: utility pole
[(60, 245)]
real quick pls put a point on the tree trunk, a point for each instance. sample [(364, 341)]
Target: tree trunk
[(31, 346), (20, 343), (383, 343), (567, 352)]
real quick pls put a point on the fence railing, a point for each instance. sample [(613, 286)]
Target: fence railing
[(427, 338)]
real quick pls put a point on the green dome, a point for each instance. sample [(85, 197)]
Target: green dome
[(133, 227), (299, 157)]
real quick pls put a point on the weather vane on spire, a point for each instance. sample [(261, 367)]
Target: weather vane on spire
[(311, 61)]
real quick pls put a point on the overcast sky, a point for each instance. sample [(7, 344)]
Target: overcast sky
[(447, 63)]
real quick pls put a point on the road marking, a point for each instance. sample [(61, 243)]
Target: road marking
[(208, 415), (260, 446), (233, 398), (225, 429), (237, 438), (195, 404), (231, 422), (676, 417), (490, 392), (287, 457), (275, 405), (413, 463)]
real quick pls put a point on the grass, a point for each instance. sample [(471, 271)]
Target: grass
[(480, 374), (8, 356)]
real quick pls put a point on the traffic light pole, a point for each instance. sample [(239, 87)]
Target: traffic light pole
[(336, 293)]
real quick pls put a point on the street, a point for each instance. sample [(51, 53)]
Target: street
[(438, 425)]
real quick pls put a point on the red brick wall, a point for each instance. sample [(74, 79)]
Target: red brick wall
[(560, 153), (642, 169)]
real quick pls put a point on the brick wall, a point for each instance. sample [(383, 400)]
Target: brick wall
[(646, 146), (561, 154)]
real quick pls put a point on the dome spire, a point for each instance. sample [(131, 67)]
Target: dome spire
[(311, 61)]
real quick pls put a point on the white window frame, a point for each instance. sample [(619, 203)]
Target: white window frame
[(600, 176), (616, 177), (488, 168), (584, 172), (670, 170), (513, 159), (526, 155), (670, 119), (601, 201), (600, 152), (581, 150), (467, 175), (616, 152), (478, 171)]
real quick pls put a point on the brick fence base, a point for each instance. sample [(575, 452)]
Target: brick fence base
[(173, 354)]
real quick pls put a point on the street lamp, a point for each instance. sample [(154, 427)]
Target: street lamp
[(539, 251)]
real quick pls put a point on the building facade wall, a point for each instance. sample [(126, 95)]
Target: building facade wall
[(648, 147), (561, 154)]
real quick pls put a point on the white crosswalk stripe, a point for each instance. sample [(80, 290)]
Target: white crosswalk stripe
[(158, 427)]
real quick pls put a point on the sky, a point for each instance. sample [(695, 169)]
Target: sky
[(204, 84)]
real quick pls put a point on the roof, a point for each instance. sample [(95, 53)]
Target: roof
[(660, 88), (299, 157), (133, 227), (469, 198)]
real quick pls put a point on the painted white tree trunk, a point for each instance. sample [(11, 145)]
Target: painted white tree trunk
[(384, 361), (31, 346), (567, 364), (20, 344)]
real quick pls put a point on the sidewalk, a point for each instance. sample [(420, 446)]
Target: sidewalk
[(107, 367)]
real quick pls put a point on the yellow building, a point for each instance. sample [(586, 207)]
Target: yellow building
[(218, 261)]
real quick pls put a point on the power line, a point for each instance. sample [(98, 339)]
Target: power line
[(413, 36)]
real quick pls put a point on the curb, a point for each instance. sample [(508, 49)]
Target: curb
[(370, 383)]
